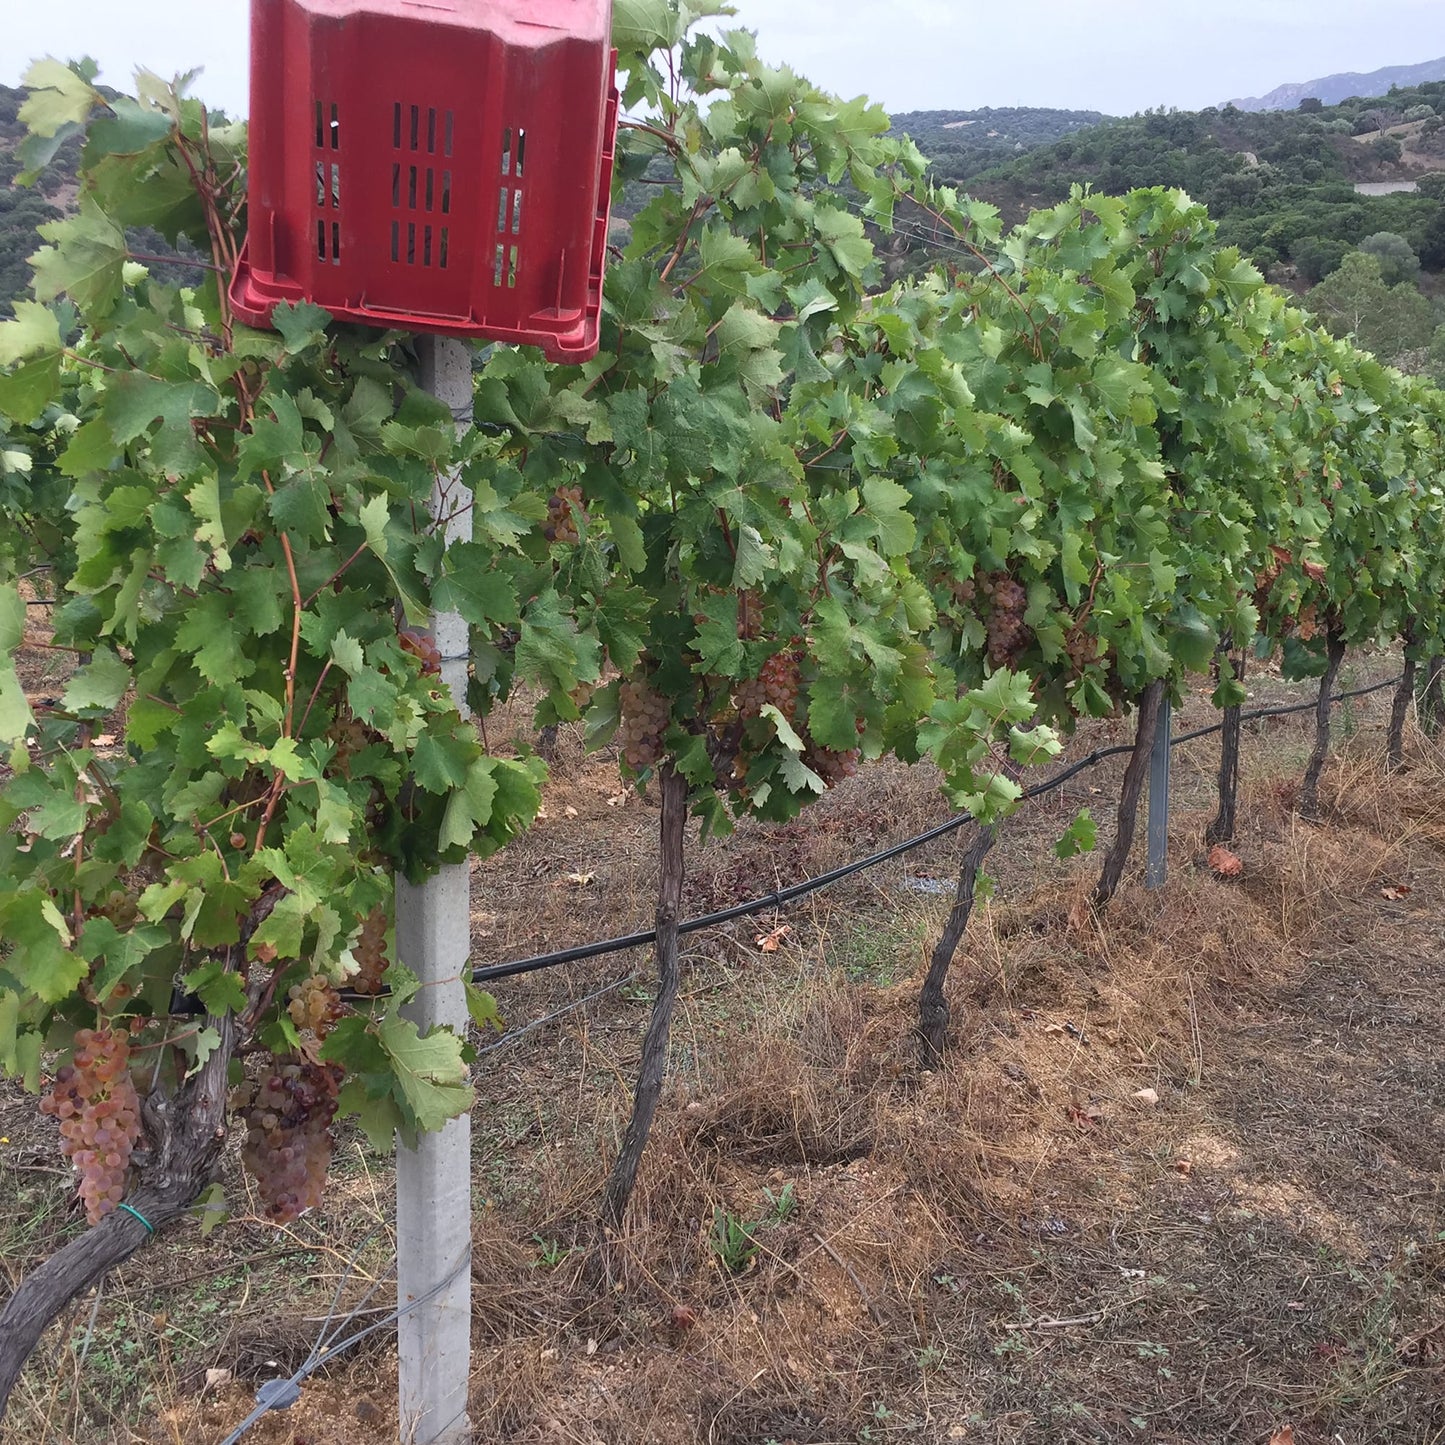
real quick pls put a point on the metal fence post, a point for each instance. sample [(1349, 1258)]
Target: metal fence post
[(433, 939), (1156, 869)]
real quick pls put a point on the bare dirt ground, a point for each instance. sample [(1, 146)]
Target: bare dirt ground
[(1179, 1180)]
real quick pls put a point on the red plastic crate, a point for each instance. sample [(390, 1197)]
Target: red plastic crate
[(433, 165)]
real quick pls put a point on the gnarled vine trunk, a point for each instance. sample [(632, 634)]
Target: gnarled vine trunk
[(671, 838), (183, 1133), (1221, 826), (933, 1009), (1135, 772), (1399, 709), (1309, 793)]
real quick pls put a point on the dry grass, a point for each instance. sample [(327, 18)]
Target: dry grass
[(1020, 1247)]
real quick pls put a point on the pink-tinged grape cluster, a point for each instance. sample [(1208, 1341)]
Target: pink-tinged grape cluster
[(780, 679), (644, 722), (99, 1113), (288, 1114), (421, 646), (749, 697), (776, 685), (1007, 632), (369, 951), (313, 1004), (832, 767), (564, 506)]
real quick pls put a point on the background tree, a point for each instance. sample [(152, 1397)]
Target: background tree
[(1355, 301), (1398, 262)]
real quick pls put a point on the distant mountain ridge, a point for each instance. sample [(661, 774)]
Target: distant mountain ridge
[(1332, 89)]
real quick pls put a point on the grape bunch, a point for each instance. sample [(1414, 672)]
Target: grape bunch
[(313, 1004), (564, 506), (644, 721), (369, 951), (749, 696), (421, 646), (964, 590), (288, 1114), (775, 685), (780, 680), (833, 767), (1006, 630), (99, 1113), (121, 908)]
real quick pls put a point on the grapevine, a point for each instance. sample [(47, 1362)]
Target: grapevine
[(789, 520)]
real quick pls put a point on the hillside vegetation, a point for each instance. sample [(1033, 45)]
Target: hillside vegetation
[(965, 142), (1271, 179), (1281, 185)]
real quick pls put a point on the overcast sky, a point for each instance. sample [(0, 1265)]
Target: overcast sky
[(1117, 56)]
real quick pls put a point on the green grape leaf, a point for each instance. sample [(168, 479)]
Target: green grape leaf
[(97, 687), (428, 1072), (1078, 837)]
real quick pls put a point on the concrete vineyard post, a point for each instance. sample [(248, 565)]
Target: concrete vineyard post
[(433, 939)]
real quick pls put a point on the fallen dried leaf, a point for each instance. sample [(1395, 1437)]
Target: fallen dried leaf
[(618, 800), (216, 1378), (570, 811), (1395, 891), (771, 942), (1283, 1436), (580, 880), (1184, 1167), (1079, 913), (1147, 1096), (1055, 1029), (1225, 863), (684, 1317)]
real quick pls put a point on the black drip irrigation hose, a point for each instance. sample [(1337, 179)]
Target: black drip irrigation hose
[(487, 973)]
